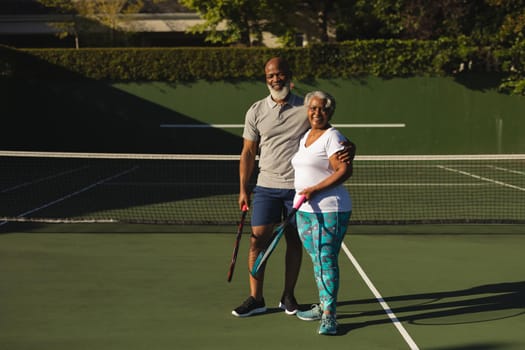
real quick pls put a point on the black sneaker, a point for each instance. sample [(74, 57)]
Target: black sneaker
[(289, 305), (250, 307)]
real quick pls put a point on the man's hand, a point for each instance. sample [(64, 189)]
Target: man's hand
[(244, 200), (347, 154)]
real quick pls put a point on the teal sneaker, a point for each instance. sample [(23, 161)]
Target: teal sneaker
[(328, 325), (313, 314)]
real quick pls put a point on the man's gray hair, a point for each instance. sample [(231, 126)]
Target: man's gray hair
[(330, 100)]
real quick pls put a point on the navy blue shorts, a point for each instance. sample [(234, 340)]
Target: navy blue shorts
[(271, 205)]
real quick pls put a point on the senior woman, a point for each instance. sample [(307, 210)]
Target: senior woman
[(322, 220)]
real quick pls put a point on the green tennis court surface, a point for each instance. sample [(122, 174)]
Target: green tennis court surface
[(169, 291)]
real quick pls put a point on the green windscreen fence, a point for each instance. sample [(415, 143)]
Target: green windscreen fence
[(203, 189)]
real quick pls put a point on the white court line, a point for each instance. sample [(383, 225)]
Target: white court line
[(29, 183), (507, 170), (481, 178), (61, 199), (422, 184), (237, 126), (408, 339), (201, 126), (371, 184), (378, 125)]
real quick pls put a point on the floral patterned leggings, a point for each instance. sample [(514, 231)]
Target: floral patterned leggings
[(322, 236)]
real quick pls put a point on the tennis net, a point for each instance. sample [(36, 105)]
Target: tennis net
[(203, 189)]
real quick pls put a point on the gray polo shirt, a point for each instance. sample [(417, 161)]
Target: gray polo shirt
[(278, 130)]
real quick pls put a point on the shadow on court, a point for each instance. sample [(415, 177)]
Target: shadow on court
[(445, 308), (51, 109)]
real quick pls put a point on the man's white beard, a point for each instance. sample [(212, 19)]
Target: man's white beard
[(279, 95)]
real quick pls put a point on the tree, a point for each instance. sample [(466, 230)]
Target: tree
[(88, 15), (74, 27), (511, 20), (485, 21), (228, 21), (243, 21), (314, 18)]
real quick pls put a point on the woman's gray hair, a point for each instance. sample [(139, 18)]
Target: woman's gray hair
[(330, 100)]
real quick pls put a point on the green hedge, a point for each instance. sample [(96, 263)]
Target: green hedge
[(383, 58)]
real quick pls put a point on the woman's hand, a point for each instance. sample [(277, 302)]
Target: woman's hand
[(308, 192)]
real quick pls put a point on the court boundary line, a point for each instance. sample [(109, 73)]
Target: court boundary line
[(42, 179), (72, 194), (420, 184), (482, 178), (198, 156), (240, 126), (408, 339), (512, 171)]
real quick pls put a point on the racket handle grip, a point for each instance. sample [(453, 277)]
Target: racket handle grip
[(244, 207), (299, 202)]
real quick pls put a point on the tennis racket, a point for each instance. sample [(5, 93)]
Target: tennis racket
[(237, 241), (278, 233)]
